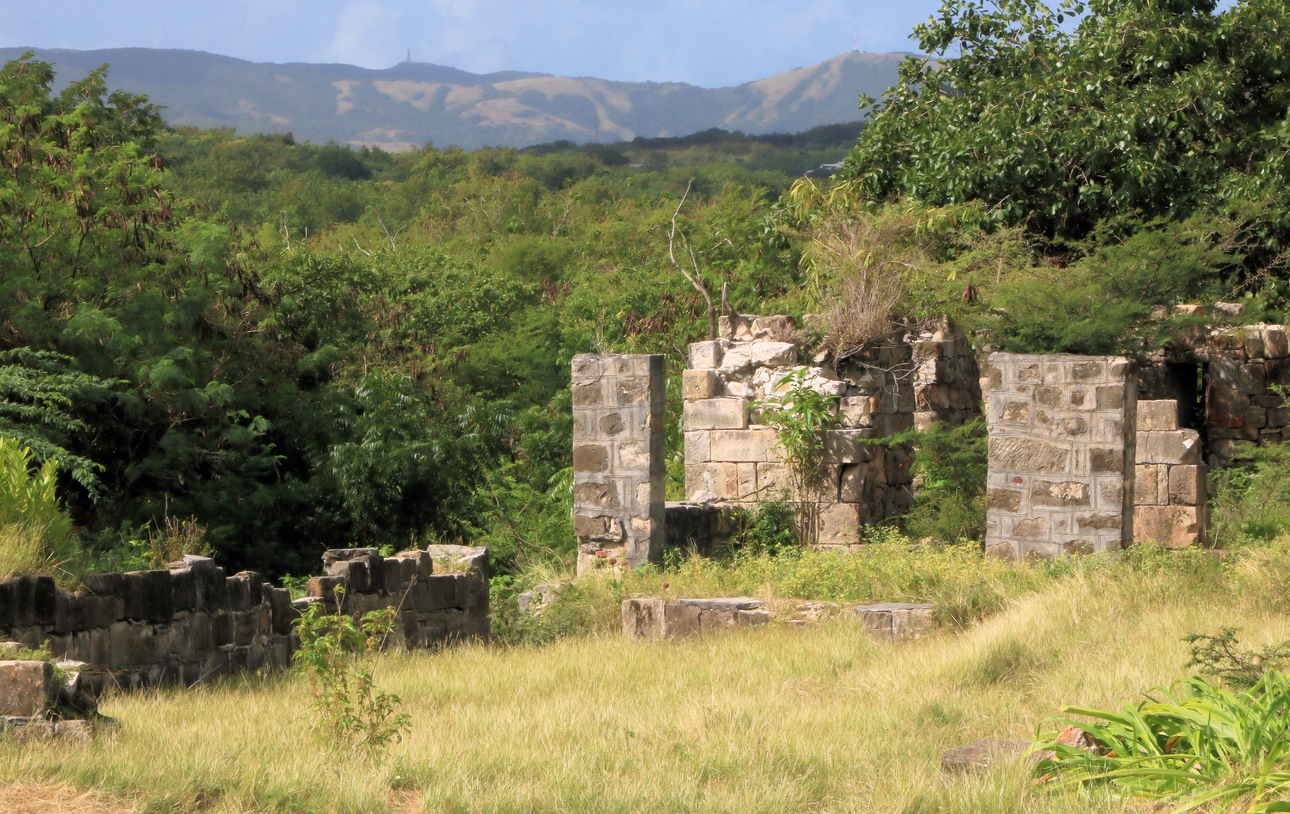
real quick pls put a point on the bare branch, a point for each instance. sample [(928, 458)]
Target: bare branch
[(695, 278)]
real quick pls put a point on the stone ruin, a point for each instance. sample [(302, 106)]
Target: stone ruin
[(192, 623), (1086, 453), (914, 378), (619, 407), (1062, 452)]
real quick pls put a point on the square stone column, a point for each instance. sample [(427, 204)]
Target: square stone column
[(1062, 452), (619, 406)]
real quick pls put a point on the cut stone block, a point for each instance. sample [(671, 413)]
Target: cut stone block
[(1171, 526), (1177, 447), (700, 384), (1187, 485), (698, 447), (752, 446), (706, 355), (1275, 344), (716, 414), (26, 687), (1160, 414), (758, 353), (837, 524), (1150, 485)]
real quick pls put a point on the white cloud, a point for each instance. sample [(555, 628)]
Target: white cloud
[(367, 34)]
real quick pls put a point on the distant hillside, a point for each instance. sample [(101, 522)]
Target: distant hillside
[(413, 103)]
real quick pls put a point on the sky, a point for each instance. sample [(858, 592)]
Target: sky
[(711, 43)]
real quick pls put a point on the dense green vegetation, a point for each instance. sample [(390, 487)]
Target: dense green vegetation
[(303, 346), (290, 346)]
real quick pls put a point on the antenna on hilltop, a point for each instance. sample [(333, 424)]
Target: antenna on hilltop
[(409, 55), (855, 47)]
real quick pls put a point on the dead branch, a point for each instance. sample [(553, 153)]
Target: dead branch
[(695, 278)]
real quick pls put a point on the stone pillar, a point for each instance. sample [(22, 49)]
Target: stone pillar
[(1171, 493), (618, 459), (1062, 452)]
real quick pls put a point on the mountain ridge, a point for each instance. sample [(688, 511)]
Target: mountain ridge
[(413, 103)]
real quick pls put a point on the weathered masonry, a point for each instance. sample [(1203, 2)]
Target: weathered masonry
[(618, 459), (192, 623), (1087, 454), (1062, 441), (911, 379)]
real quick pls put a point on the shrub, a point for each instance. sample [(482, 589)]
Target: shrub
[(768, 530), (800, 417), (36, 535), (1251, 501), (1223, 657), (339, 656), (1197, 744), (951, 463)]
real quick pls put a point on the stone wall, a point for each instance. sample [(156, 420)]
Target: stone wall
[(192, 623), (733, 459), (1062, 444), (1240, 368), (619, 406), (1170, 492)]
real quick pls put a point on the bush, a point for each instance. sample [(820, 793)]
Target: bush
[(1197, 744), (1223, 657), (36, 535), (951, 463), (1251, 500), (339, 657)]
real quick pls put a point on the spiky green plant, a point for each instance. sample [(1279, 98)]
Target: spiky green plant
[(36, 535), (1196, 745)]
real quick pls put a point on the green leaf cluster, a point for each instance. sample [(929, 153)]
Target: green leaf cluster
[(1196, 744)]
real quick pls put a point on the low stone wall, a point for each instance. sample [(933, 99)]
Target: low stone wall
[(651, 618), (896, 620), (192, 623), (678, 618)]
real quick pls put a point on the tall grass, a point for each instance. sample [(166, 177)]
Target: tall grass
[(767, 720), (36, 535), (962, 583)]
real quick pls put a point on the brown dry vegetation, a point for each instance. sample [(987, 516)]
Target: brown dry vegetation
[(778, 719)]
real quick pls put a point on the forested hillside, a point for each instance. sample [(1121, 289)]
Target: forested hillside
[(303, 346), (412, 103)]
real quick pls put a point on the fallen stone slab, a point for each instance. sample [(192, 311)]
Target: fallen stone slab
[(651, 618), (983, 754), (26, 729), (896, 620)]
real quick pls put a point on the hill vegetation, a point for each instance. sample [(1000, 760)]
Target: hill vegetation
[(297, 346), (414, 103)]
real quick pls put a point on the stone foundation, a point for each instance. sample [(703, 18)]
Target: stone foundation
[(678, 618)]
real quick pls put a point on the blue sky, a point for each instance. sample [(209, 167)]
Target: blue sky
[(704, 42)]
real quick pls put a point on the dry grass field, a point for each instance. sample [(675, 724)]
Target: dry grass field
[(777, 719)]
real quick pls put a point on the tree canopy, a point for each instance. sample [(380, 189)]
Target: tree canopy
[(1063, 119)]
